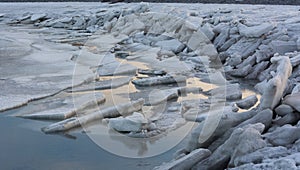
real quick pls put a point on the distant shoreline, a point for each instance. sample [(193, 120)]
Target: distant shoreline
[(269, 2)]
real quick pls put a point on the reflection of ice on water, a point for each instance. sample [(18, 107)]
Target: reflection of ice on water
[(131, 143), (109, 139)]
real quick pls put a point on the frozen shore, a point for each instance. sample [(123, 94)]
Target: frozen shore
[(229, 72)]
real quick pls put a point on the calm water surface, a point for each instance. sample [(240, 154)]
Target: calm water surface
[(24, 147)]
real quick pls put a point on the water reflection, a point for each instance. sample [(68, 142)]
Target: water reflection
[(23, 147), (125, 146)]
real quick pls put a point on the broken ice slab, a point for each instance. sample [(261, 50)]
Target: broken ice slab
[(110, 112), (157, 97), (133, 123), (152, 72), (187, 161), (65, 115), (116, 68), (228, 92), (255, 31), (151, 81), (102, 85)]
